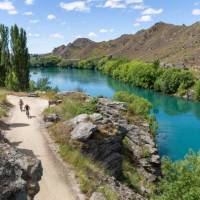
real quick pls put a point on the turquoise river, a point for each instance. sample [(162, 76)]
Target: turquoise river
[(178, 119)]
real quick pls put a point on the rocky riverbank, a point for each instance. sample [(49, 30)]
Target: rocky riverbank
[(19, 173), (108, 137)]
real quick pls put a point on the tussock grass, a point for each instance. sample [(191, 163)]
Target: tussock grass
[(87, 172), (131, 177), (71, 107), (109, 193)]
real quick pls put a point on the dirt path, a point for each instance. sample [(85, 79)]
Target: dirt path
[(28, 136)]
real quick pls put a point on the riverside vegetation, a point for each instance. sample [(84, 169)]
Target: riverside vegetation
[(176, 176), (106, 150), (172, 81)]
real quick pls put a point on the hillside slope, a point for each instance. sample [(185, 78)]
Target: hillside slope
[(172, 44)]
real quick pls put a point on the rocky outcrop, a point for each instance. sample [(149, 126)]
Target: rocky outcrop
[(19, 173), (100, 136), (141, 142)]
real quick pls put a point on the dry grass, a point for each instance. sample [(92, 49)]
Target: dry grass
[(4, 104)]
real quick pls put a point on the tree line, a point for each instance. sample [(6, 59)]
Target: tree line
[(14, 58)]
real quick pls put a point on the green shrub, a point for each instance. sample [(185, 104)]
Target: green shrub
[(172, 78), (43, 84), (87, 64), (136, 105), (153, 125), (187, 79), (197, 90), (181, 179)]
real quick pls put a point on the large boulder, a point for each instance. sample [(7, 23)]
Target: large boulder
[(51, 118), (83, 131), (19, 173)]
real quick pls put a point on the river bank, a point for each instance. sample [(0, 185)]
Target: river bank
[(171, 113), (170, 80), (111, 149)]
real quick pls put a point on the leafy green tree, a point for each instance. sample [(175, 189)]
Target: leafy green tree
[(20, 57), (197, 90), (181, 180), (4, 53), (12, 82)]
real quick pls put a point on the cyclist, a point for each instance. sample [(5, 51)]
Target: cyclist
[(21, 103), (27, 109)]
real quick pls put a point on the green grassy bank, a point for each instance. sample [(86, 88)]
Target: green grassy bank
[(171, 81)]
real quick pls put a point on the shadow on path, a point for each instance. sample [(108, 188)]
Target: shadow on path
[(23, 151), (18, 125), (5, 127)]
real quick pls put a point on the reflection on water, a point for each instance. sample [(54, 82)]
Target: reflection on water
[(178, 119)]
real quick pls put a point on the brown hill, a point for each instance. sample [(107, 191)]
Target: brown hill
[(172, 44)]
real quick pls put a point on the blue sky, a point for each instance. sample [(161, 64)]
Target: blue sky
[(50, 23)]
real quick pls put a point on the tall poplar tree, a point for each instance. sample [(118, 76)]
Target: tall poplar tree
[(4, 53), (19, 57)]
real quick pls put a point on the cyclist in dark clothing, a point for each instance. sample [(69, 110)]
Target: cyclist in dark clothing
[(27, 109), (21, 103)]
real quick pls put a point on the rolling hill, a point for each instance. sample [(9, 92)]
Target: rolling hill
[(171, 44)]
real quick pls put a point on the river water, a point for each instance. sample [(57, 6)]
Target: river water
[(178, 119)]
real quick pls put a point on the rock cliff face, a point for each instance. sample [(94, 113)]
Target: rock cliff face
[(101, 136), (140, 142), (19, 173)]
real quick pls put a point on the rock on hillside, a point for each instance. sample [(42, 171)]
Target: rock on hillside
[(172, 44), (73, 49), (19, 173), (100, 136), (140, 142)]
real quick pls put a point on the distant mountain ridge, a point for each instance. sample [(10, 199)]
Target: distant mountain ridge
[(171, 44)]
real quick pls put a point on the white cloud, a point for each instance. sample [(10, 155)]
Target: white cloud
[(29, 2), (134, 1), (144, 18), (56, 36), (139, 7), (152, 11), (196, 12), (36, 35), (103, 30), (34, 21), (121, 3), (51, 17), (115, 4), (136, 24), (12, 12), (78, 36), (8, 6), (75, 6), (92, 34), (28, 13)]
